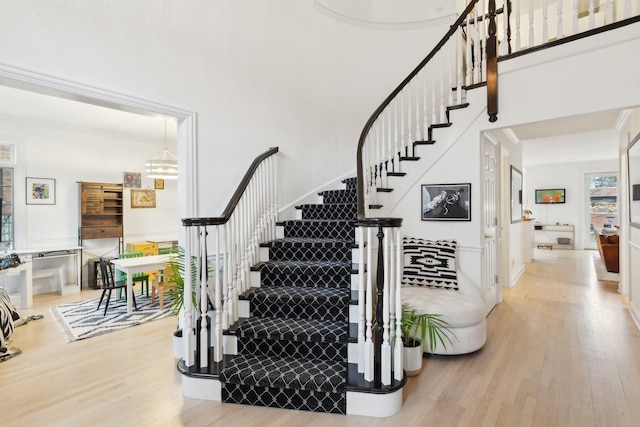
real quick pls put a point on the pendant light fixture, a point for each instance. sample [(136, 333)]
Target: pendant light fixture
[(164, 166)]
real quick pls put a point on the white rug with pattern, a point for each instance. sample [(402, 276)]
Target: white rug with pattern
[(601, 272), (82, 319)]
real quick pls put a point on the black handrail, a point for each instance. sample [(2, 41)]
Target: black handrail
[(387, 101), (233, 203)]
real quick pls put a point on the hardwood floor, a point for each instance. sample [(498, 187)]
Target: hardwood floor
[(561, 350)]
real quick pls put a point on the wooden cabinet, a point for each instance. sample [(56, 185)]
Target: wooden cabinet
[(101, 210)]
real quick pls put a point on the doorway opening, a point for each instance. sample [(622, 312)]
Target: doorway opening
[(602, 205)]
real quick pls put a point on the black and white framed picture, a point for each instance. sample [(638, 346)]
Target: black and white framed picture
[(446, 202)]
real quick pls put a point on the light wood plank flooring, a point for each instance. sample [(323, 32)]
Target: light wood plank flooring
[(561, 350)]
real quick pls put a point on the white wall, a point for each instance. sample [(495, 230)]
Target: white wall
[(258, 74), (570, 176), (630, 236)]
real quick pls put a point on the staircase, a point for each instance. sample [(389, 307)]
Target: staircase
[(292, 350), (293, 329)]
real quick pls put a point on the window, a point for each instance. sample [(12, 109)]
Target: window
[(6, 204)]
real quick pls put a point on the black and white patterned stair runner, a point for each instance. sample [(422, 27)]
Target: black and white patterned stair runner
[(292, 351)]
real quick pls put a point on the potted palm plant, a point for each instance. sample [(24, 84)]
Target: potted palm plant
[(415, 328), (175, 274)]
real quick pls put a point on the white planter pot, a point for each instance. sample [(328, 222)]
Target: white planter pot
[(177, 344), (412, 360)]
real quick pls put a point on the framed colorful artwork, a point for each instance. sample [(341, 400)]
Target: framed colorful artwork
[(41, 191)]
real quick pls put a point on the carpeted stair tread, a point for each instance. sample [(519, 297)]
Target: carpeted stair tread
[(329, 211), (285, 372), (303, 330), (301, 302), (320, 228), (287, 293), (310, 249), (303, 241), (306, 267), (339, 196)]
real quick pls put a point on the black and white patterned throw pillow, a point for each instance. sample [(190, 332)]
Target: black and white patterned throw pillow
[(429, 263)]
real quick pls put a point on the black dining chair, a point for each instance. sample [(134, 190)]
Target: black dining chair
[(109, 284)]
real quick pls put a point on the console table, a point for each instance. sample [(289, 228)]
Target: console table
[(554, 236), (35, 257), (26, 285)]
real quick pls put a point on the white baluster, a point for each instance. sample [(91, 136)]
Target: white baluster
[(504, 48), (235, 283), (204, 284), (518, 33), (368, 362), (531, 32), (451, 75), (398, 300), (361, 300), (217, 355), (403, 141), (468, 43), (475, 37), (627, 9), (575, 17), (559, 31), (226, 267), (459, 65), (188, 335), (434, 82), (592, 14), (443, 106), (609, 13), (428, 84), (386, 347), (409, 139), (545, 19), (417, 109), (394, 141)]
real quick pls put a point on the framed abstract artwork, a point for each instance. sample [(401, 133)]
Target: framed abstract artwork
[(41, 191)]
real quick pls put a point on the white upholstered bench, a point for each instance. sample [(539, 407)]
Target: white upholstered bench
[(461, 306)]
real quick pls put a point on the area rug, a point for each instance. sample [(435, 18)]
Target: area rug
[(82, 319), (601, 272), (14, 351), (11, 352)]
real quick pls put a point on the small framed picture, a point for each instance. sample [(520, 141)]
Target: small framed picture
[(41, 191), (143, 198), (132, 180), (7, 153), (158, 184), (446, 202)]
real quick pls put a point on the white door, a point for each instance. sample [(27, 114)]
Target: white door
[(490, 221)]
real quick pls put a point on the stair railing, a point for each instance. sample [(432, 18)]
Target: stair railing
[(465, 58), (405, 118), (530, 24), (248, 220)]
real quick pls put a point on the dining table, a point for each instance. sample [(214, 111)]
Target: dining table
[(131, 266)]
